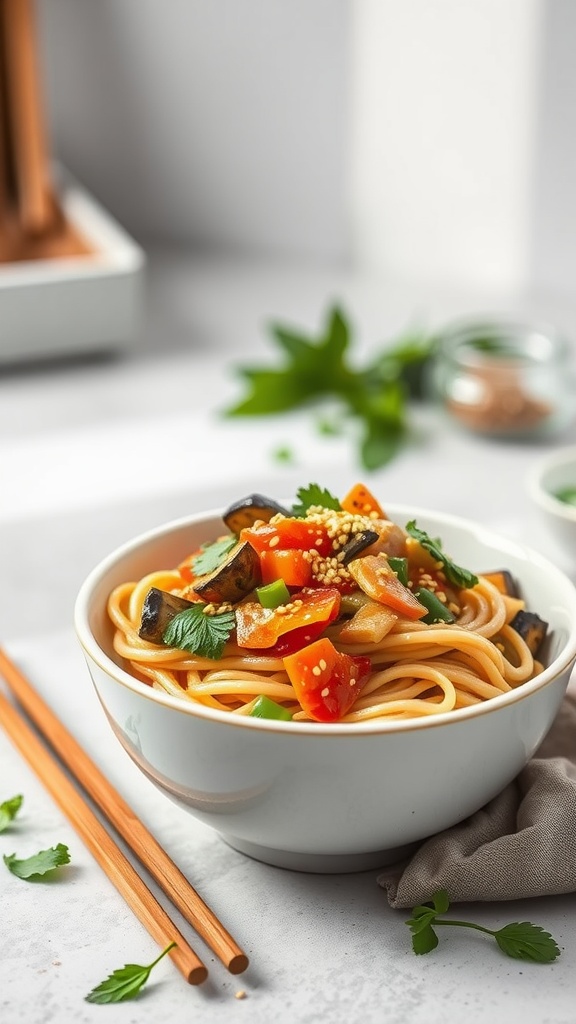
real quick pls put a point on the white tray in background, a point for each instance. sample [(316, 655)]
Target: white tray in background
[(74, 305)]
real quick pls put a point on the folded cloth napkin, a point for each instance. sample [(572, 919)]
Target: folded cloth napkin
[(521, 844)]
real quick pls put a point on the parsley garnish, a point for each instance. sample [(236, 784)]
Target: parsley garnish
[(520, 940), (39, 864), (313, 495), (454, 573), (195, 631), (8, 811), (213, 554), (316, 368), (125, 983)]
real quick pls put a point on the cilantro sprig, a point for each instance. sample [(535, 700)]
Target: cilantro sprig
[(521, 940), (124, 983), (39, 864), (311, 495), (213, 554), (373, 398), (8, 811), (454, 573), (198, 632)]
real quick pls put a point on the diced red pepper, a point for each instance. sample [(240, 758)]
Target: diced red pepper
[(288, 533), (377, 579), (289, 565), (326, 681), (259, 627)]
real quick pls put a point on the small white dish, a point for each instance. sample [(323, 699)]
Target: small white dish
[(546, 480)]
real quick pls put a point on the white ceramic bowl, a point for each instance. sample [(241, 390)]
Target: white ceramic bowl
[(336, 797), (551, 473)]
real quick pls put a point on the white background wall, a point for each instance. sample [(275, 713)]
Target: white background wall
[(429, 139)]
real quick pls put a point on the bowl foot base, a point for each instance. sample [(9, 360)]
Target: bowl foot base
[(320, 863)]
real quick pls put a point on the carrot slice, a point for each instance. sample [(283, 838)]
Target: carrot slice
[(361, 501)]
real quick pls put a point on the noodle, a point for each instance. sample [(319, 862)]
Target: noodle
[(418, 669)]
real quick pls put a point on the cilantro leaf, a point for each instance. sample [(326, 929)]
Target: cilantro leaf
[(454, 573), (213, 554), (124, 983), (525, 941), (39, 864), (311, 495), (521, 940), (198, 632), (317, 368), (8, 811)]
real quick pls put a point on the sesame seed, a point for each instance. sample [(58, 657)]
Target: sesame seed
[(273, 542), (323, 664), (316, 671), (325, 692)]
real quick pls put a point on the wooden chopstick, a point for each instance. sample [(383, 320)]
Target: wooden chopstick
[(123, 818), (36, 203), (100, 843)]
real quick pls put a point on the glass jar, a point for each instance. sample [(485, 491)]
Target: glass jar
[(504, 378)]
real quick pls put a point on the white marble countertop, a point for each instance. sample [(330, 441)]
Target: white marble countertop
[(94, 451)]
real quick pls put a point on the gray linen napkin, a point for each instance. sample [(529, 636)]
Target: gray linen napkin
[(521, 844)]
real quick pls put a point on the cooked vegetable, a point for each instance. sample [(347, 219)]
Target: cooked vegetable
[(292, 566), (358, 543), (158, 610), (326, 681), (531, 628), (375, 577), (437, 610), (249, 510), (503, 580), (454, 573), (273, 594), (234, 578), (311, 610), (288, 534), (369, 624), (362, 502), (264, 707)]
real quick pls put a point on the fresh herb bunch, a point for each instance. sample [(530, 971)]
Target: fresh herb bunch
[(375, 397), (521, 940)]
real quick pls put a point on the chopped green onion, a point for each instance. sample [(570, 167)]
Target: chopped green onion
[(273, 594), (266, 708), (400, 567), (437, 611)]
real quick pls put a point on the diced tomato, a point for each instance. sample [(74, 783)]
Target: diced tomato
[(288, 564), (259, 627), (288, 533), (377, 579), (362, 502), (326, 681)]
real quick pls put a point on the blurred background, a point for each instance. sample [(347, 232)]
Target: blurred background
[(430, 141)]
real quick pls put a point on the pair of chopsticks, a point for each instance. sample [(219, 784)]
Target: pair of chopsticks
[(99, 841)]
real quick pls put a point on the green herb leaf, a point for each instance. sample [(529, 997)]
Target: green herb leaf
[(454, 573), (212, 555), (567, 495), (39, 864), (525, 941), (521, 940), (194, 630), (317, 368), (314, 495), (8, 811), (124, 983)]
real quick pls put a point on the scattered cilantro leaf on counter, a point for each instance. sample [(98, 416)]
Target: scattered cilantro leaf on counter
[(454, 573), (374, 397), (8, 811), (193, 630), (124, 983), (313, 494), (212, 554), (38, 864), (521, 940)]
